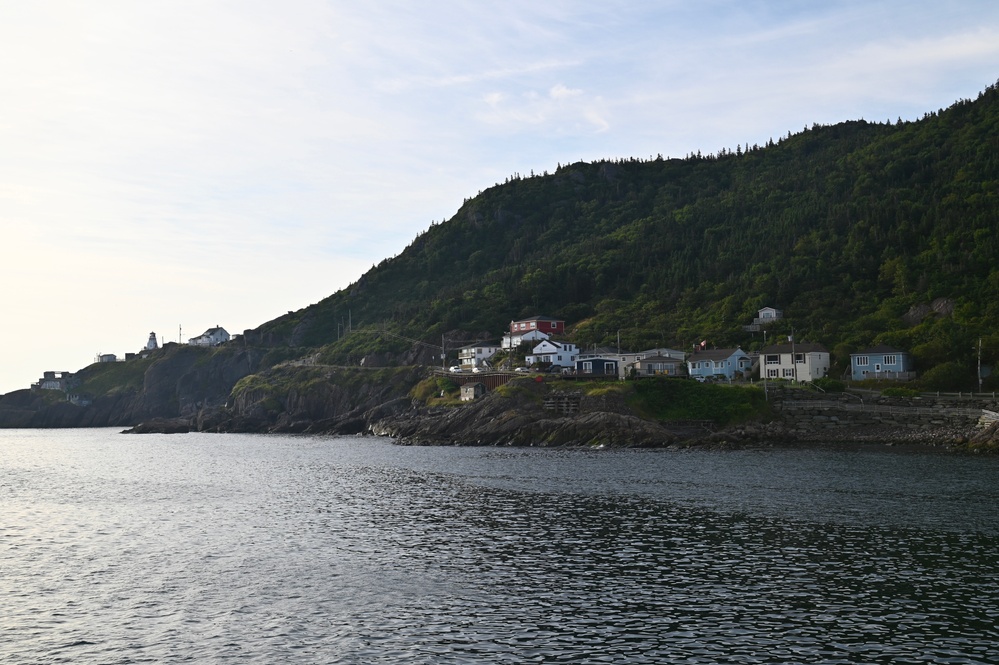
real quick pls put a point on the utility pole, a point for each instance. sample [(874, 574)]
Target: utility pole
[(443, 353), (763, 367), (794, 361), (979, 364)]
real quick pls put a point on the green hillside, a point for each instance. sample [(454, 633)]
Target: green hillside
[(861, 232)]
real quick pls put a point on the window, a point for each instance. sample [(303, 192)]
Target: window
[(587, 368), (719, 364), (773, 360), (799, 357), (788, 373), (610, 369), (863, 361), (772, 373), (534, 324), (891, 360)]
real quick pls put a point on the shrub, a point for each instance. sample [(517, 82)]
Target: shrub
[(899, 392), (949, 376), (829, 385)]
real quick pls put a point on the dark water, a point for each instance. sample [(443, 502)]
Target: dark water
[(208, 548)]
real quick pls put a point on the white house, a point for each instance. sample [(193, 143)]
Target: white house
[(476, 355), (725, 364), (559, 354), (794, 362), (764, 316), (211, 337), (513, 340)]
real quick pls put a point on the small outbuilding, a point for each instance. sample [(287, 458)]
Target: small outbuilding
[(472, 391)]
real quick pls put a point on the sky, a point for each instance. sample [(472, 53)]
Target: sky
[(172, 166)]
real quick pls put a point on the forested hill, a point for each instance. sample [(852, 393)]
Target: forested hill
[(861, 232)]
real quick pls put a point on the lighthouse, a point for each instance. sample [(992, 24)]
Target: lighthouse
[(151, 344)]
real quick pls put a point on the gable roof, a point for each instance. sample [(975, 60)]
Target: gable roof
[(660, 359), (795, 348), (479, 345), (714, 354), (880, 348), (537, 318)]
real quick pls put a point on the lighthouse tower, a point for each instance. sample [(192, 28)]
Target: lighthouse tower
[(151, 344)]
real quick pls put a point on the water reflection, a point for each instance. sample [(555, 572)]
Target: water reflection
[(302, 550)]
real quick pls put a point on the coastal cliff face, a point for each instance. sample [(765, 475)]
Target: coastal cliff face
[(314, 399), (176, 382), (525, 414)]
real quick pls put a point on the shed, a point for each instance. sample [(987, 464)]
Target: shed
[(472, 391)]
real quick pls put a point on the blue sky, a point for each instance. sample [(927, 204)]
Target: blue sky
[(172, 166)]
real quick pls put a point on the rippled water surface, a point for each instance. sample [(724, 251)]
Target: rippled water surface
[(233, 548)]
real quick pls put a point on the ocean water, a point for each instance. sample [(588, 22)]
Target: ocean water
[(280, 549)]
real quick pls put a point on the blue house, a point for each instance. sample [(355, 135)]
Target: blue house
[(721, 364), (882, 362)]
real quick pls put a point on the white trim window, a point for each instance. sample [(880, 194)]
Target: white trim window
[(863, 361), (773, 360), (890, 360)]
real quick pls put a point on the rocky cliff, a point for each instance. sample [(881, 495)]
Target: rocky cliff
[(175, 382)]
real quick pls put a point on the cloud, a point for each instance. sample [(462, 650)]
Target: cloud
[(560, 91), (204, 162)]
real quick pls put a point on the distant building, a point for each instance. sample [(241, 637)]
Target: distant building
[(795, 362), (881, 362), (597, 366), (513, 340), (715, 364), (107, 358), (764, 317), (558, 354), (660, 366), (53, 381), (472, 391), (152, 343), (544, 324), (477, 355), (211, 337)]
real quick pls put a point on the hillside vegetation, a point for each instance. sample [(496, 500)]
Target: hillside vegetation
[(861, 232)]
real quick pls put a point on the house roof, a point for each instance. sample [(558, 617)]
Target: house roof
[(479, 345), (669, 352), (660, 359), (537, 318), (795, 348), (212, 330), (603, 351), (714, 354), (880, 348)]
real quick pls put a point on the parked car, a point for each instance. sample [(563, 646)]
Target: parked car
[(456, 369), (477, 370), (521, 369)]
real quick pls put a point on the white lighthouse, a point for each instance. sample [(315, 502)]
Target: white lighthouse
[(151, 344)]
